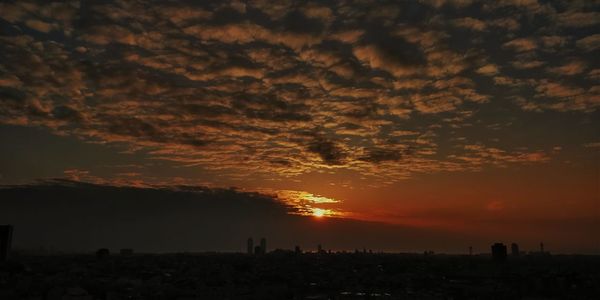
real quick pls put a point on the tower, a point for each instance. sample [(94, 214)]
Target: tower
[(514, 249), (542, 247), (499, 252), (250, 246), (470, 250), (263, 245), (102, 253), (6, 232)]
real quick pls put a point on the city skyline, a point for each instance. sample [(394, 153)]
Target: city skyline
[(429, 125)]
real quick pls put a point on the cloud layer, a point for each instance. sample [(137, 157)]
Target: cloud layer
[(73, 216), (271, 90)]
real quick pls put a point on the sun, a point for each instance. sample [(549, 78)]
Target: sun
[(319, 213)]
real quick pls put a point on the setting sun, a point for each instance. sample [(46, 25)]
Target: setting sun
[(319, 213)]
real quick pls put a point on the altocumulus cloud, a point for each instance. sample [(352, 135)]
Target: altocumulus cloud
[(253, 88)]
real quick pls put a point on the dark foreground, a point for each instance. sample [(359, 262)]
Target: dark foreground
[(283, 275)]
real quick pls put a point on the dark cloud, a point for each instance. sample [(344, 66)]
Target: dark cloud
[(67, 113), (74, 216), (298, 22), (394, 50), (135, 128), (328, 150), (377, 155)]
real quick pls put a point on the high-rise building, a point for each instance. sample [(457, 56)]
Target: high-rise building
[(102, 253), (250, 246), (499, 251), (297, 250), (263, 245), (319, 248), (6, 232), (541, 247), (514, 249)]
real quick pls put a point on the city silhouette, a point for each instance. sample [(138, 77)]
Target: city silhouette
[(296, 274)]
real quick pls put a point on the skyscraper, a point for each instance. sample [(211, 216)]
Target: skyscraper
[(263, 245), (514, 249), (5, 241), (499, 252), (250, 246), (102, 253)]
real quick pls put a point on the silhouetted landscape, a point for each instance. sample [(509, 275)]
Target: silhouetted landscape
[(284, 274)]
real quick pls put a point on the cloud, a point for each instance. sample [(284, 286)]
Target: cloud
[(470, 23), (39, 25), (525, 64), (328, 150), (489, 69), (509, 24), (381, 154), (530, 6), (521, 44), (553, 41), (589, 43), (240, 88), (555, 89), (394, 55), (454, 3), (578, 19), (569, 69), (567, 97)]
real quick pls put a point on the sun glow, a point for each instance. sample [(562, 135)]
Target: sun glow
[(319, 213), (303, 203)]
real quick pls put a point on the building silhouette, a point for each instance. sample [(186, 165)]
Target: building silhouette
[(6, 232), (102, 253), (250, 246), (263, 245), (258, 249), (297, 250), (514, 249), (541, 247), (126, 251), (499, 252)]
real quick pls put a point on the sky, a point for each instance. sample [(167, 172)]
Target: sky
[(469, 119)]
